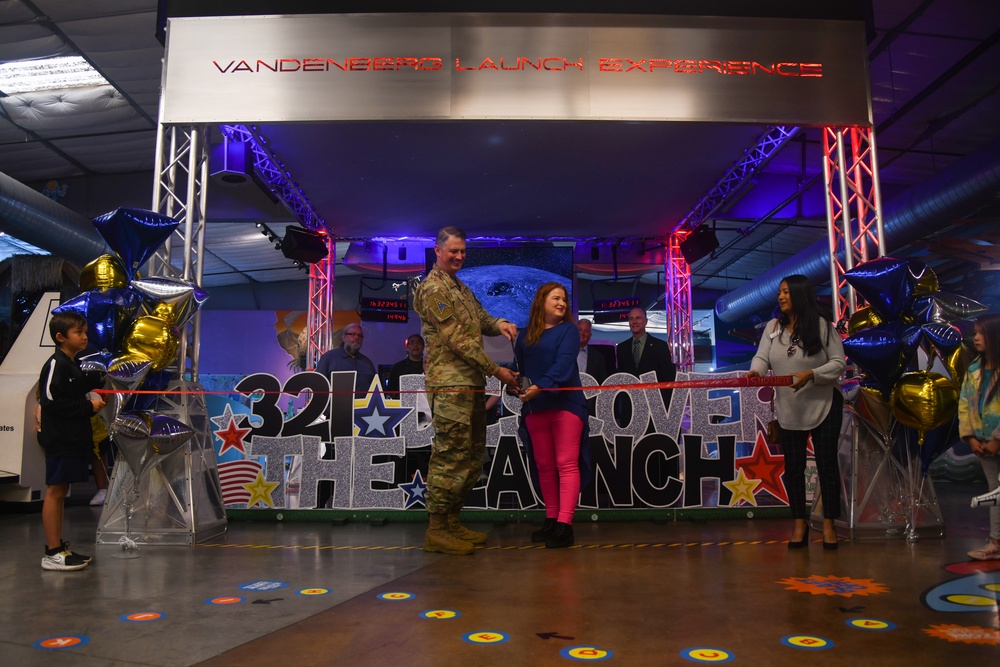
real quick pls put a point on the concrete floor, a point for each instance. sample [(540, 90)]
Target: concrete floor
[(631, 593)]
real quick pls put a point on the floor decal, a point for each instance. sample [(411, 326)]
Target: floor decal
[(224, 600), (396, 596), (808, 642), (704, 654), (972, 634), (60, 643), (978, 591), (588, 653), (842, 586), (314, 591), (440, 614), (486, 637), (870, 624), (142, 617)]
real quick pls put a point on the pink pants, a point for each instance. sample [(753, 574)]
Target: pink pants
[(555, 441)]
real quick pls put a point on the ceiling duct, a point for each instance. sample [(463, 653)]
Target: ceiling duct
[(34, 218), (962, 188)]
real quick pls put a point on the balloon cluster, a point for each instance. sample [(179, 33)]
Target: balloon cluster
[(133, 322), (906, 312)]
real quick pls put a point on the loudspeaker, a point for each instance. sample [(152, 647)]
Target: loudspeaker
[(231, 163), (698, 244), (303, 245)]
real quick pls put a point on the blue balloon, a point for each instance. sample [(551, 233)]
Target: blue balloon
[(884, 283), (108, 315), (878, 351), (134, 234), (945, 337)]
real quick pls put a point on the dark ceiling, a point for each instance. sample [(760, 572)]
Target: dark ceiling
[(936, 99)]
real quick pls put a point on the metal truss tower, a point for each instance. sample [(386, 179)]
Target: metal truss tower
[(678, 305), (853, 208), (180, 191)]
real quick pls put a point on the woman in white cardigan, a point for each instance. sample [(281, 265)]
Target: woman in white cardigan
[(806, 346)]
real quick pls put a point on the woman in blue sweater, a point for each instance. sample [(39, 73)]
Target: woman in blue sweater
[(546, 354)]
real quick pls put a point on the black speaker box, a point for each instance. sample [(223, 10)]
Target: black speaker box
[(303, 245), (699, 243)]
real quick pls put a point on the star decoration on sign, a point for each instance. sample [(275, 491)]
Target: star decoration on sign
[(226, 417), (375, 417), (742, 489), (260, 491), (766, 467), (232, 437), (415, 491)]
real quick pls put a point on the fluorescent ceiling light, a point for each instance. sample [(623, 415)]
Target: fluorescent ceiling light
[(26, 76)]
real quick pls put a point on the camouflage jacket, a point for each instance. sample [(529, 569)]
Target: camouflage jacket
[(453, 326)]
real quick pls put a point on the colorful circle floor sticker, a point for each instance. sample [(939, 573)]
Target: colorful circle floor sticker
[(142, 617), (586, 653), (706, 654), (228, 599), (313, 591), (395, 596), (60, 643), (807, 642), (841, 586), (440, 614), (870, 624), (486, 637)]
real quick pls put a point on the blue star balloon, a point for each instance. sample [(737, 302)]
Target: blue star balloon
[(134, 234), (885, 283), (879, 352), (108, 314)]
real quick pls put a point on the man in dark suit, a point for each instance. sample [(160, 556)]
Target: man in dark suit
[(590, 361), (642, 353)]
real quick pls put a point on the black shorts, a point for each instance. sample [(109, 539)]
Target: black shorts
[(67, 469)]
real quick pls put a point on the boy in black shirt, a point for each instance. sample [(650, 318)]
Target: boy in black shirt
[(66, 434)]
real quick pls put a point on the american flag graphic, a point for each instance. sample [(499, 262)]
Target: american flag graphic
[(234, 475)]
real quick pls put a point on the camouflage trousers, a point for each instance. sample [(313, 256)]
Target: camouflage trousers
[(458, 448)]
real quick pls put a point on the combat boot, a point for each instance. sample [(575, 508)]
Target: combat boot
[(439, 540), (456, 528)]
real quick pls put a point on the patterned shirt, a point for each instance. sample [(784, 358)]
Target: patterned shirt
[(454, 323)]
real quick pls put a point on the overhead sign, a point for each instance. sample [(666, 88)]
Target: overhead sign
[(494, 66)]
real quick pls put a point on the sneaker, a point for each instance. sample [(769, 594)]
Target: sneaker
[(99, 497), (63, 561), (989, 552), (84, 558)]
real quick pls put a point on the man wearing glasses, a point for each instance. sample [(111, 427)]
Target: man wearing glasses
[(348, 357), (643, 353)]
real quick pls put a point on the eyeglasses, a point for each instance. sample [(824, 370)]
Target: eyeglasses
[(792, 348), (354, 333)]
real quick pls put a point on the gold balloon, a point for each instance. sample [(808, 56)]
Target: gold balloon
[(927, 282), (924, 400), (154, 338), (956, 362), (862, 319), (105, 272)]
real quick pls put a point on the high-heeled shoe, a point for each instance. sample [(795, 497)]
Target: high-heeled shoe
[(800, 544), (830, 546)]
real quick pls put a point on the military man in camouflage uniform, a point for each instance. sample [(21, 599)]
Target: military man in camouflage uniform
[(457, 366)]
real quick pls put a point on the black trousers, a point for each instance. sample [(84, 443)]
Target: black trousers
[(825, 439)]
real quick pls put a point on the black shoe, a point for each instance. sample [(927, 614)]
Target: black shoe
[(545, 531), (800, 544), (830, 546), (561, 537), (84, 558)]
